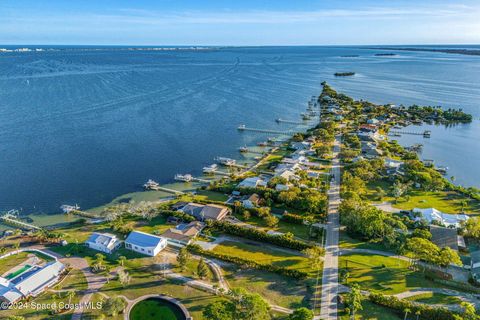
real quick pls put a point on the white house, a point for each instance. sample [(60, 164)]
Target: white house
[(145, 243), (252, 182), (105, 242), (446, 219), (30, 283)]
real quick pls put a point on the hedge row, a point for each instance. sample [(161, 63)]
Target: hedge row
[(259, 235), (293, 218), (178, 214), (426, 312), (244, 263)]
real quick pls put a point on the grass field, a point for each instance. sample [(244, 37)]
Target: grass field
[(266, 254), (274, 288), (14, 260), (386, 275), (348, 242), (371, 312), (435, 298)]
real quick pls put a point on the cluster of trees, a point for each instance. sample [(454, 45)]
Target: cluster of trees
[(439, 115), (286, 240), (247, 306), (425, 250), (428, 178), (357, 175), (293, 218), (308, 200), (248, 264), (370, 223), (423, 311)]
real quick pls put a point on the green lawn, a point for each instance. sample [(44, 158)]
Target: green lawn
[(75, 280), (210, 195), (371, 312), (445, 201), (350, 243), (435, 298), (382, 274), (274, 288), (265, 254), (14, 260), (191, 271)]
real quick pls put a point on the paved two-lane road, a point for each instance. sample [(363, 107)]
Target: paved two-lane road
[(330, 266)]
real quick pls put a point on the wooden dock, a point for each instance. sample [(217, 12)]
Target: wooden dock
[(279, 120), (159, 188), (11, 221), (425, 133), (244, 128)]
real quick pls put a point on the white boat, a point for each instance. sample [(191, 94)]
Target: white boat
[(442, 170), (243, 149), (262, 144), (183, 177), (68, 208), (226, 161), (151, 185), (211, 168)]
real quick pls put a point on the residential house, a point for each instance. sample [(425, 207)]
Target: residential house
[(447, 237), (31, 282), (251, 201), (145, 243), (252, 182), (281, 187), (204, 212), (370, 150), (431, 214), (105, 242), (183, 234)]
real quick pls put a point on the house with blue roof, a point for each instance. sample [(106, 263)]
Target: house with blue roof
[(145, 243), (105, 242)]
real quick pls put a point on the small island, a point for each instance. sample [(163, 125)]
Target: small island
[(344, 74)]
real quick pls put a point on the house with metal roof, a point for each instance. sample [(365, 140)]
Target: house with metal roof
[(30, 283), (145, 243), (183, 234), (105, 242), (204, 212)]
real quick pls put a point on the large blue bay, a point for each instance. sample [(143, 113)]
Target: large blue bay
[(84, 126)]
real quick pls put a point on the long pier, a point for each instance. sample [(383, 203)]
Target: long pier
[(244, 128), (158, 188), (425, 133), (279, 120), (17, 223)]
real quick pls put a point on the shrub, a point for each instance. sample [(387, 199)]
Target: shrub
[(259, 235)]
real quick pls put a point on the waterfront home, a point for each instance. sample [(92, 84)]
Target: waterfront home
[(287, 175), (370, 136), (252, 182), (105, 242), (445, 219), (183, 234), (447, 237), (368, 128), (145, 243), (394, 167), (302, 145), (31, 282), (281, 187), (370, 150), (251, 201), (204, 212)]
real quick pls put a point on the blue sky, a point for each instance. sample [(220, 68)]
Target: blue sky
[(240, 22)]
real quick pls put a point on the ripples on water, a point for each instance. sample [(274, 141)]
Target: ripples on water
[(86, 126)]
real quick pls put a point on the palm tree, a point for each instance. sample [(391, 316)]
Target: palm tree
[(407, 310), (417, 313), (70, 295), (121, 260)]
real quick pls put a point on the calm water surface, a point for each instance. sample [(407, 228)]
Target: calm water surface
[(86, 126)]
